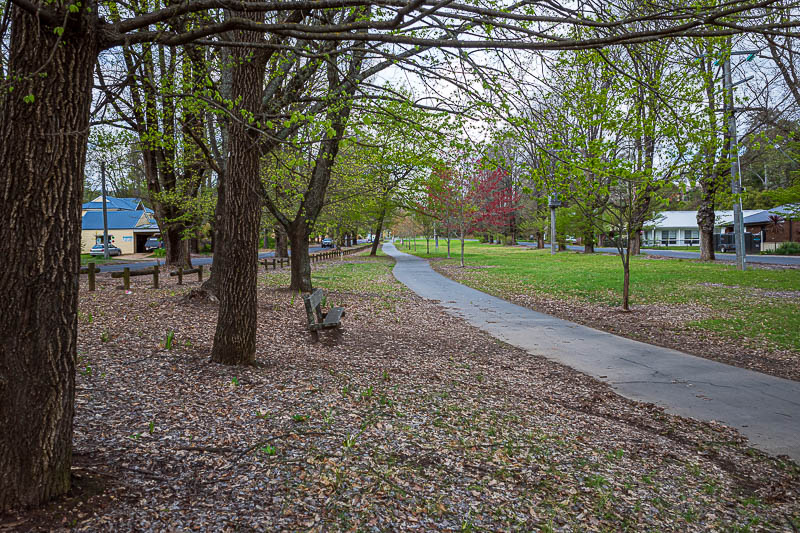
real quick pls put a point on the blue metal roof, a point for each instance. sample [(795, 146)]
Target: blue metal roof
[(125, 204), (116, 219)]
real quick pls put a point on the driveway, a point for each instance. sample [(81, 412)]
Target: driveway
[(764, 408), (787, 260)]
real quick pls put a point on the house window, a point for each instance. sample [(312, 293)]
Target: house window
[(669, 237), (691, 237)]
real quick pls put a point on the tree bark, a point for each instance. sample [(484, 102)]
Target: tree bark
[(42, 158), (235, 269), (301, 262), (281, 242), (588, 242), (376, 238), (705, 222)]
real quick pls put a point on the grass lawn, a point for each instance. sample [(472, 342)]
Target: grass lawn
[(758, 307), (98, 260)]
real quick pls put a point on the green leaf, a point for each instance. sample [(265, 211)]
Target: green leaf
[(29, 99)]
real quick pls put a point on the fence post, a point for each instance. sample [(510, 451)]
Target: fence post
[(155, 277), (91, 275), (199, 272), (180, 275), (126, 278)]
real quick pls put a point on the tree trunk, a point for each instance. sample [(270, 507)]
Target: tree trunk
[(448, 246), (462, 247), (175, 247), (301, 262), (635, 246), (42, 159), (705, 222), (377, 236), (281, 242), (588, 242), (236, 268), (626, 284), (540, 240)]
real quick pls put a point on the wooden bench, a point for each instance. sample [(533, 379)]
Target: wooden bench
[(317, 319)]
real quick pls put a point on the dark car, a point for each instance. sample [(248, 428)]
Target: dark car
[(153, 243), (327, 243), (97, 249)]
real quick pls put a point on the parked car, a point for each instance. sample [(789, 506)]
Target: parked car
[(97, 249), (153, 243), (327, 243)]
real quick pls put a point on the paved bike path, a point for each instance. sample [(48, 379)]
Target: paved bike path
[(764, 408)]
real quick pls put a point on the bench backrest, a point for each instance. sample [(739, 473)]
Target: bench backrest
[(313, 306)]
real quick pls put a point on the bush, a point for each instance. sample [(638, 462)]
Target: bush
[(788, 248), (206, 248), (159, 252)]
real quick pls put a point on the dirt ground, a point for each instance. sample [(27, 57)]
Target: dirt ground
[(408, 420)]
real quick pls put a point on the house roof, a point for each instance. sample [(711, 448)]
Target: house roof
[(785, 211), (93, 220), (123, 204), (688, 219)]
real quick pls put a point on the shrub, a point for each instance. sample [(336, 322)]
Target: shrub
[(788, 248), (159, 252)]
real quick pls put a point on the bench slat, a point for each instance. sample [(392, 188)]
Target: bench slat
[(333, 318)]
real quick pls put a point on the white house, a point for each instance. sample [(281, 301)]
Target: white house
[(679, 228)]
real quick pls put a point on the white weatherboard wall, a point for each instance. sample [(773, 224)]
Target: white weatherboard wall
[(681, 227)]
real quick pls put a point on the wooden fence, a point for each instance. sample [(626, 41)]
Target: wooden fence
[(315, 257), (126, 274)]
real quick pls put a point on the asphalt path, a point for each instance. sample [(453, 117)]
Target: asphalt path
[(764, 408), (789, 260), (120, 264)]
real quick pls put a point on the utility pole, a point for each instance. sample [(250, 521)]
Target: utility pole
[(736, 185), (105, 209)]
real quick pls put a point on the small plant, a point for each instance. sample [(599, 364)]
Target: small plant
[(328, 418), (269, 450), (152, 427), (104, 337), (87, 371), (263, 415), (169, 339), (346, 390), (299, 418), (385, 375), (159, 252), (235, 381), (367, 393), (350, 441), (788, 248)]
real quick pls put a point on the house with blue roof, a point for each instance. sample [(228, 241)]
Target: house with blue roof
[(130, 224)]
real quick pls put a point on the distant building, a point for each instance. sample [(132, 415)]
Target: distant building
[(775, 226), (130, 224), (679, 228)]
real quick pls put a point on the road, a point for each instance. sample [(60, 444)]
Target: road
[(196, 261), (786, 260), (764, 408)]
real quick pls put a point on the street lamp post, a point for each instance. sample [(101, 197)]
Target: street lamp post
[(736, 186), (105, 210)]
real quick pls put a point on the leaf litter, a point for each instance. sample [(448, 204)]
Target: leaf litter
[(410, 420)]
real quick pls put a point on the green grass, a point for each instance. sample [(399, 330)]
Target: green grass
[(98, 260), (597, 278)]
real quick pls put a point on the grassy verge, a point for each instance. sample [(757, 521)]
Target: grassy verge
[(98, 260), (758, 306)]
